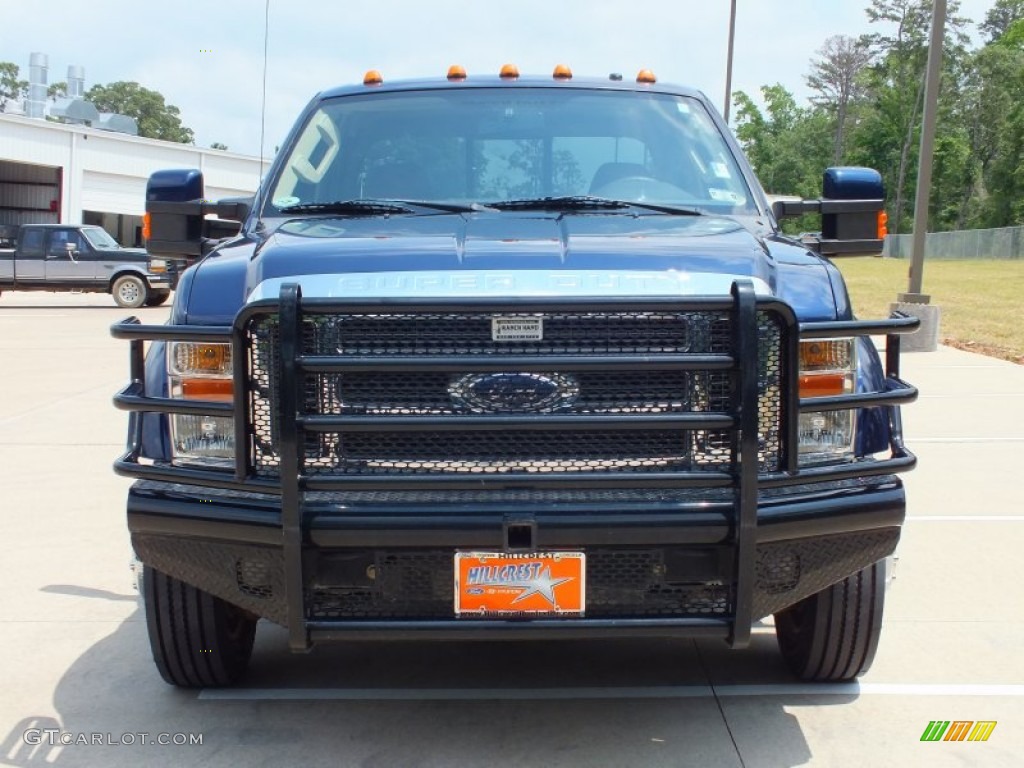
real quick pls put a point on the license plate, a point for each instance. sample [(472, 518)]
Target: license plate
[(538, 584)]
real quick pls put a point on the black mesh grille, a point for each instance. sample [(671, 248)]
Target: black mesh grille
[(564, 333), (407, 393)]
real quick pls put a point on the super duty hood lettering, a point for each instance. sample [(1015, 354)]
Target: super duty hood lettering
[(518, 283)]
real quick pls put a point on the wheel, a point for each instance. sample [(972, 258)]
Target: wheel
[(832, 635), (198, 640), (130, 291), (157, 298)]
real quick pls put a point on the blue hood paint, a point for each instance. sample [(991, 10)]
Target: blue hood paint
[(508, 241)]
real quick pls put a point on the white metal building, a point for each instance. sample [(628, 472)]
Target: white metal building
[(53, 172)]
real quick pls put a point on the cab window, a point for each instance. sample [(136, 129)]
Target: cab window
[(31, 243)]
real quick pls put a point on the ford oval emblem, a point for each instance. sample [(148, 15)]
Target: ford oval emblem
[(513, 392)]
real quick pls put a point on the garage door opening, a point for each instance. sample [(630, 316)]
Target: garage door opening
[(123, 227), (29, 194)]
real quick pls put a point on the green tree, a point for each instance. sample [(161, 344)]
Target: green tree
[(1000, 17), (888, 137), (837, 79), (218, 145), (57, 91), (995, 103), (156, 119), (789, 146), (11, 88)]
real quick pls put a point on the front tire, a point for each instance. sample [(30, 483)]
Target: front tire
[(198, 640), (157, 298), (833, 634), (130, 291)]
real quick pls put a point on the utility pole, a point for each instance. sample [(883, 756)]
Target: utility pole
[(924, 164), (728, 63), (914, 302)]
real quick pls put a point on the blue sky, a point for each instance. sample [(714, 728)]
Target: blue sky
[(207, 58)]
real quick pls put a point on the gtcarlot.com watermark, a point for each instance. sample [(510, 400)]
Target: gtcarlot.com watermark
[(55, 737)]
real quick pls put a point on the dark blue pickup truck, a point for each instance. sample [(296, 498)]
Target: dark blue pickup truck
[(497, 357), (72, 257)]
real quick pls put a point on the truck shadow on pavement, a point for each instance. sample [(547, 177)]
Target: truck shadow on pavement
[(626, 703)]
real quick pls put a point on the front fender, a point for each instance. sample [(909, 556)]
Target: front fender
[(156, 433)]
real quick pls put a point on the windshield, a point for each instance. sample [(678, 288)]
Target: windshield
[(488, 146), (99, 237)]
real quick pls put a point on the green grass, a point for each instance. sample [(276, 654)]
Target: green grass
[(981, 302)]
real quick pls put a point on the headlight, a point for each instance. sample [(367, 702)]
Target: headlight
[(201, 371), (157, 265), (827, 367)]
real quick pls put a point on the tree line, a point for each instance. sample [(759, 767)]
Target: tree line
[(867, 96), (156, 119)]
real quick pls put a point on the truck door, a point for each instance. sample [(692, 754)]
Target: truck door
[(69, 258), (28, 260)]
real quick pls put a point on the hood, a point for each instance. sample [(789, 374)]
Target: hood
[(518, 253), (126, 254), (510, 241)]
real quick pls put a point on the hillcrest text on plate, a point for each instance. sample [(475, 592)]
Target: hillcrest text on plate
[(494, 584)]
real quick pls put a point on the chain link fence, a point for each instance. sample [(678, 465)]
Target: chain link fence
[(1004, 243)]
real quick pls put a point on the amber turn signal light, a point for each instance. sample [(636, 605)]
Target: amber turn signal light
[(823, 384), (220, 390)]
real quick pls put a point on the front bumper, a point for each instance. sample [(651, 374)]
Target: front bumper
[(159, 281), (332, 551), (659, 569)]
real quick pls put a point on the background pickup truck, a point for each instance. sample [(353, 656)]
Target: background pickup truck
[(62, 257), (502, 357)]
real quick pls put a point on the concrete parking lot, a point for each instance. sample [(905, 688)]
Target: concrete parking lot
[(75, 662)]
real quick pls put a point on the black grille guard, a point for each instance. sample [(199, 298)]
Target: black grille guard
[(741, 419)]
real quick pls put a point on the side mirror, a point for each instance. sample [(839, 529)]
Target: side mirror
[(853, 220), (176, 226)]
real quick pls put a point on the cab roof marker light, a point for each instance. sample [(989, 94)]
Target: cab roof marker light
[(509, 72), (562, 72), (646, 76), (456, 72), (373, 77)]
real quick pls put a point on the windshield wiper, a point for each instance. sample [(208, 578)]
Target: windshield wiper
[(587, 202), (381, 206), (440, 206), (354, 207), (564, 203)]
